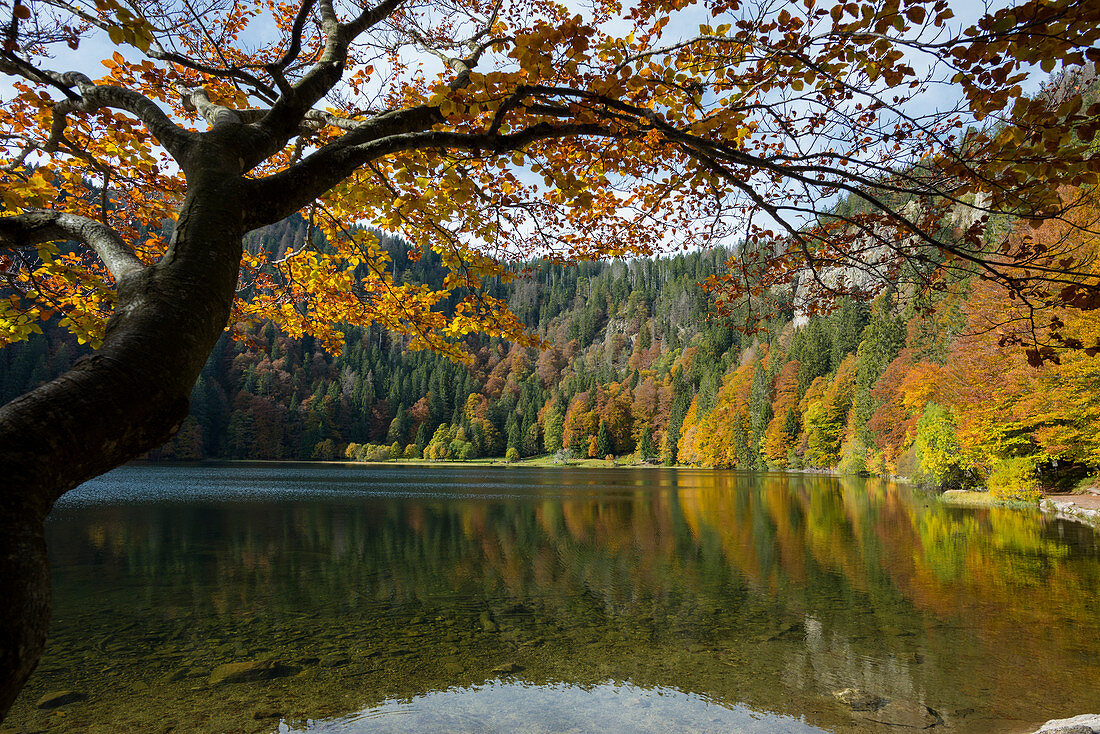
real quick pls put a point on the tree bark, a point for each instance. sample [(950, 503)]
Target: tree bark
[(130, 396)]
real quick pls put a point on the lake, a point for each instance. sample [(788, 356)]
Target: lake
[(498, 599)]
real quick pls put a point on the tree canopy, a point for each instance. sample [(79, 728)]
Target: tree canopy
[(487, 132)]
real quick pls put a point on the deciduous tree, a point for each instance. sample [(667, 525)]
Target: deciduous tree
[(534, 129)]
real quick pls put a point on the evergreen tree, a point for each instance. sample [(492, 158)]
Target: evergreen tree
[(603, 440), (645, 443)]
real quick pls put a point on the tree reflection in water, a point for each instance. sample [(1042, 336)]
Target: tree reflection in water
[(767, 591)]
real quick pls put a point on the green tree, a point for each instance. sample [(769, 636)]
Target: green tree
[(603, 440), (939, 456)]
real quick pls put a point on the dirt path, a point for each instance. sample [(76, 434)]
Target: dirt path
[(1086, 501)]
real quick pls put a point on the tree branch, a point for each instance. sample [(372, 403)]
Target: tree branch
[(81, 95), (36, 227), (284, 193), (197, 100), (284, 120)]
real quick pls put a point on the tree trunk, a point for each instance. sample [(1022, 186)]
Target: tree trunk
[(128, 397)]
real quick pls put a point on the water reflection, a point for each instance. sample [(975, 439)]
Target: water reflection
[(549, 709), (762, 593)]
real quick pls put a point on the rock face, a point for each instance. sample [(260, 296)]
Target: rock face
[(1083, 724), (248, 670), (53, 699)]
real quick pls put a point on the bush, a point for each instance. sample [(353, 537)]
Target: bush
[(562, 456), (1014, 479), (511, 454), (411, 452)]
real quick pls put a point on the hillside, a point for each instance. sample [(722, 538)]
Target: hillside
[(637, 363)]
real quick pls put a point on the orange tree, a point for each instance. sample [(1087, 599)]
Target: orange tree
[(483, 129)]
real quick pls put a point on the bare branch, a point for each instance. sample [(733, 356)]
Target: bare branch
[(36, 227), (276, 68)]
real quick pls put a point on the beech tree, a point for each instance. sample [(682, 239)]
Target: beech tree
[(487, 131)]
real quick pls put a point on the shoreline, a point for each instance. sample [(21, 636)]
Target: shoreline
[(1081, 508)]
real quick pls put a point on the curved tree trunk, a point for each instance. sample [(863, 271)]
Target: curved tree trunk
[(130, 396)]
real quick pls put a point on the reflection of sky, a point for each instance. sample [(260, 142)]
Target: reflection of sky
[(559, 707)]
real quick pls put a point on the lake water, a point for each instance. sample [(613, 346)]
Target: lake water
[(492, 599)]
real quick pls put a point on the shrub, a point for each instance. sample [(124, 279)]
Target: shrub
[(511, 454)]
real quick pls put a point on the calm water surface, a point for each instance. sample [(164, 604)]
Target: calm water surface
[(491, 599)]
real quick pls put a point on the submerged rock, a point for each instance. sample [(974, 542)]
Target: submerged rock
[(906, 714), (859, 700), (249, 670), (507, 669), (488, 624), (1083, 724), (266, 713), (176, 675), (53, 699), (872, 707)]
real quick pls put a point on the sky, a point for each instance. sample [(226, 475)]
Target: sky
[(684, 23)]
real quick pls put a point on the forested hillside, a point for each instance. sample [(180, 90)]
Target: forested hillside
[(637, 363)]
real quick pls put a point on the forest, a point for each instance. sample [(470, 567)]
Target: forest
[(637, 364)]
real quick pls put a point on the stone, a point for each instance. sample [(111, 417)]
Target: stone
[(53, 699), (266, 713), (175, 676), (248, 670), (507, 669), (488, 624), (859, 700), (908, 714), (1083, 724), (333, 661)]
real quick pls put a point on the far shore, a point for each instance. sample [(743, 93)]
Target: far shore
[(1082, 507)]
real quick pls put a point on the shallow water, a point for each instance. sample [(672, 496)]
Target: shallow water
[(491, 599)]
